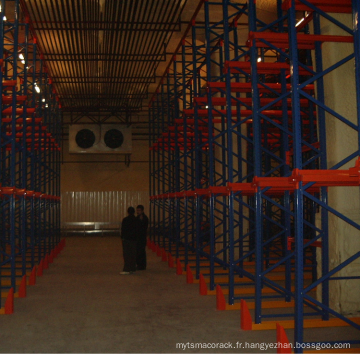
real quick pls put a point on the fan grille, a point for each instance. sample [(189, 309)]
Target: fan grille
[(113, 138), (85, 138)]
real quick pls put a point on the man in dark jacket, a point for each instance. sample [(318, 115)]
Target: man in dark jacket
[(143, 222), (129, 236)]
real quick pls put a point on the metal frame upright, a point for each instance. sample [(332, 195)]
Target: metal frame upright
[(326, 177), (307, 177), (29, 155), (205, 182), (249, 195)]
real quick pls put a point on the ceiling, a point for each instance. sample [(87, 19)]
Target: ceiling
[(107, 57), (103, 54)]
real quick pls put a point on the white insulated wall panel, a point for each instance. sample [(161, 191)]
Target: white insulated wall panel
[(100, 206)]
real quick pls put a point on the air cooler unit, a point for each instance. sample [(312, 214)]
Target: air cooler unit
[(104, 139)]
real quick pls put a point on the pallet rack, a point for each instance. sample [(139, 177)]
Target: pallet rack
[(29, 155), (240, 175)]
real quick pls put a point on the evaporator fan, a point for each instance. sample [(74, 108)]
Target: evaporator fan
[(85, 138), (113, 138)]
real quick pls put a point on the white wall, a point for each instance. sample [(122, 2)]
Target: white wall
[(101, 176)]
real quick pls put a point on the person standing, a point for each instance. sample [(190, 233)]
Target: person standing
[(143, 222), (129, 235)]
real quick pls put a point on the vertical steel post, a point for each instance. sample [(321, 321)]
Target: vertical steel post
[(257, 164), (297, 159)]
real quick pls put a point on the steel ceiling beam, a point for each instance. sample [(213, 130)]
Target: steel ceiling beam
[(75, 37)]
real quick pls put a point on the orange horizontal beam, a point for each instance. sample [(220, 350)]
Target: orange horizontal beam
[(216, 120), (281, 40), (247, 87), (172, 141), (192, 121), (349, 177), (274, 182), (28, 121), (8, 99), (28, 135), (9, 83), (331, 6), (165, 149), (221, 101), (219, 190), (261, 67), (245, 113), (182, 128), (36, 148), (28, 129), (188, 134), (179, 138), (31, 140), (19, 111), (11, 190), (246, 188), (278, 185)]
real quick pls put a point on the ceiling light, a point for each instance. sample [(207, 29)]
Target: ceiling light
[(21, 57), (4, 18), (299, 22), (37, 89)]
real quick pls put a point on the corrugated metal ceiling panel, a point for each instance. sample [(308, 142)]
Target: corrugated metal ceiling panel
[(103, 53)]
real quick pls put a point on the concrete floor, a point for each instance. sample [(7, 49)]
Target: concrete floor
[(82, 305)]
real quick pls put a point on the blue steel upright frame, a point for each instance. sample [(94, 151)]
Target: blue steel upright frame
[(273, 138), (320, 11), (248, 196), (29, 154)]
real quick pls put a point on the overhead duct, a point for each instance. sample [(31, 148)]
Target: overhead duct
[(104, 138)]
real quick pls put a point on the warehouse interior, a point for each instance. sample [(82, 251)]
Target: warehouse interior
[(235, 123)]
